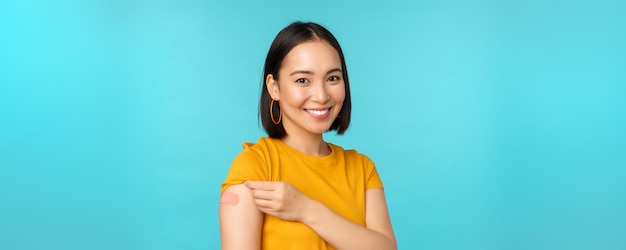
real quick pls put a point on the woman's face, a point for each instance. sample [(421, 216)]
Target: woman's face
[(310, 88)]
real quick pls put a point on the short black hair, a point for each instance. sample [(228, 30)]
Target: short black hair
[(288, 38)]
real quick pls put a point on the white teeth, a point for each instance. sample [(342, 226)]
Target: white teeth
[(317, 112)]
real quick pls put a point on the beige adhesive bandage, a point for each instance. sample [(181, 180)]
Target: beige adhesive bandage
[(229, 198)]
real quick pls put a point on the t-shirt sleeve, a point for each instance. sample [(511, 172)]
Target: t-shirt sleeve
[(246, 166), (372, 179)]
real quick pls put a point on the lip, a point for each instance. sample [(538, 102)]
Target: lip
[(318, 113)]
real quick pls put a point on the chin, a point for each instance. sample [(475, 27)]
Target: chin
[(319, 130)]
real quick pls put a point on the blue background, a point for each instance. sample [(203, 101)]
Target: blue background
[(494, 124)]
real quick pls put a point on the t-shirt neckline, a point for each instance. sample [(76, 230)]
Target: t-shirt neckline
[(309, 158)]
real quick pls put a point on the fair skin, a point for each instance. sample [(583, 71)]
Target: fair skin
[(311, 92)]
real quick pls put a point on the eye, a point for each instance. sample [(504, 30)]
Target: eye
[(302, 80), (333, 78)]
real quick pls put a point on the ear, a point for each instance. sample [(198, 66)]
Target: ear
[(272, 87)]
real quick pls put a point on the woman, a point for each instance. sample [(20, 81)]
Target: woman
[(293, 190)]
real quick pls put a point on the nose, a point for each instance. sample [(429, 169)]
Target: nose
[(320, 93)]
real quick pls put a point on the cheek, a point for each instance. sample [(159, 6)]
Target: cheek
[(338, 93), (292, 97)]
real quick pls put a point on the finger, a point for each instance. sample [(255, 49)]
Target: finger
[(264, 205), (264, 185), (263, 194), (267, 211)]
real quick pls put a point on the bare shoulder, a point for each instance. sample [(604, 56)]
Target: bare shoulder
[(240, 220)]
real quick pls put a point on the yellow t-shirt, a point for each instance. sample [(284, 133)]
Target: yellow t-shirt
[(338, 181)]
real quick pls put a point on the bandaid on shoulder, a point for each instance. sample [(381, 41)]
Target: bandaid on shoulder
[(229, 198)]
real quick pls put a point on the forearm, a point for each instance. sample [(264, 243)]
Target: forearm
[(342, 233)]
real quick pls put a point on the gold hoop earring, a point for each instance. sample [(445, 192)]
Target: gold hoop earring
[(280, 116)]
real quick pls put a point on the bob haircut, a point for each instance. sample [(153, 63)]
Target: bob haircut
[(288, 38)]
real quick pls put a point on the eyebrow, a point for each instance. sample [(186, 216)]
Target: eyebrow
[(308, 72)]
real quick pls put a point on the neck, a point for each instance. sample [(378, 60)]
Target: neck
[(311, 145)]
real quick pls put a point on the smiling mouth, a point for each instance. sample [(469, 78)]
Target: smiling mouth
[(318, 112)]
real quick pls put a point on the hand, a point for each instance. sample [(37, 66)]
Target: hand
[(279, 199)]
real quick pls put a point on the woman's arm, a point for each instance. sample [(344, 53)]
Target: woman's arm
[(344, 234), (282, 200), (240, 220)]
